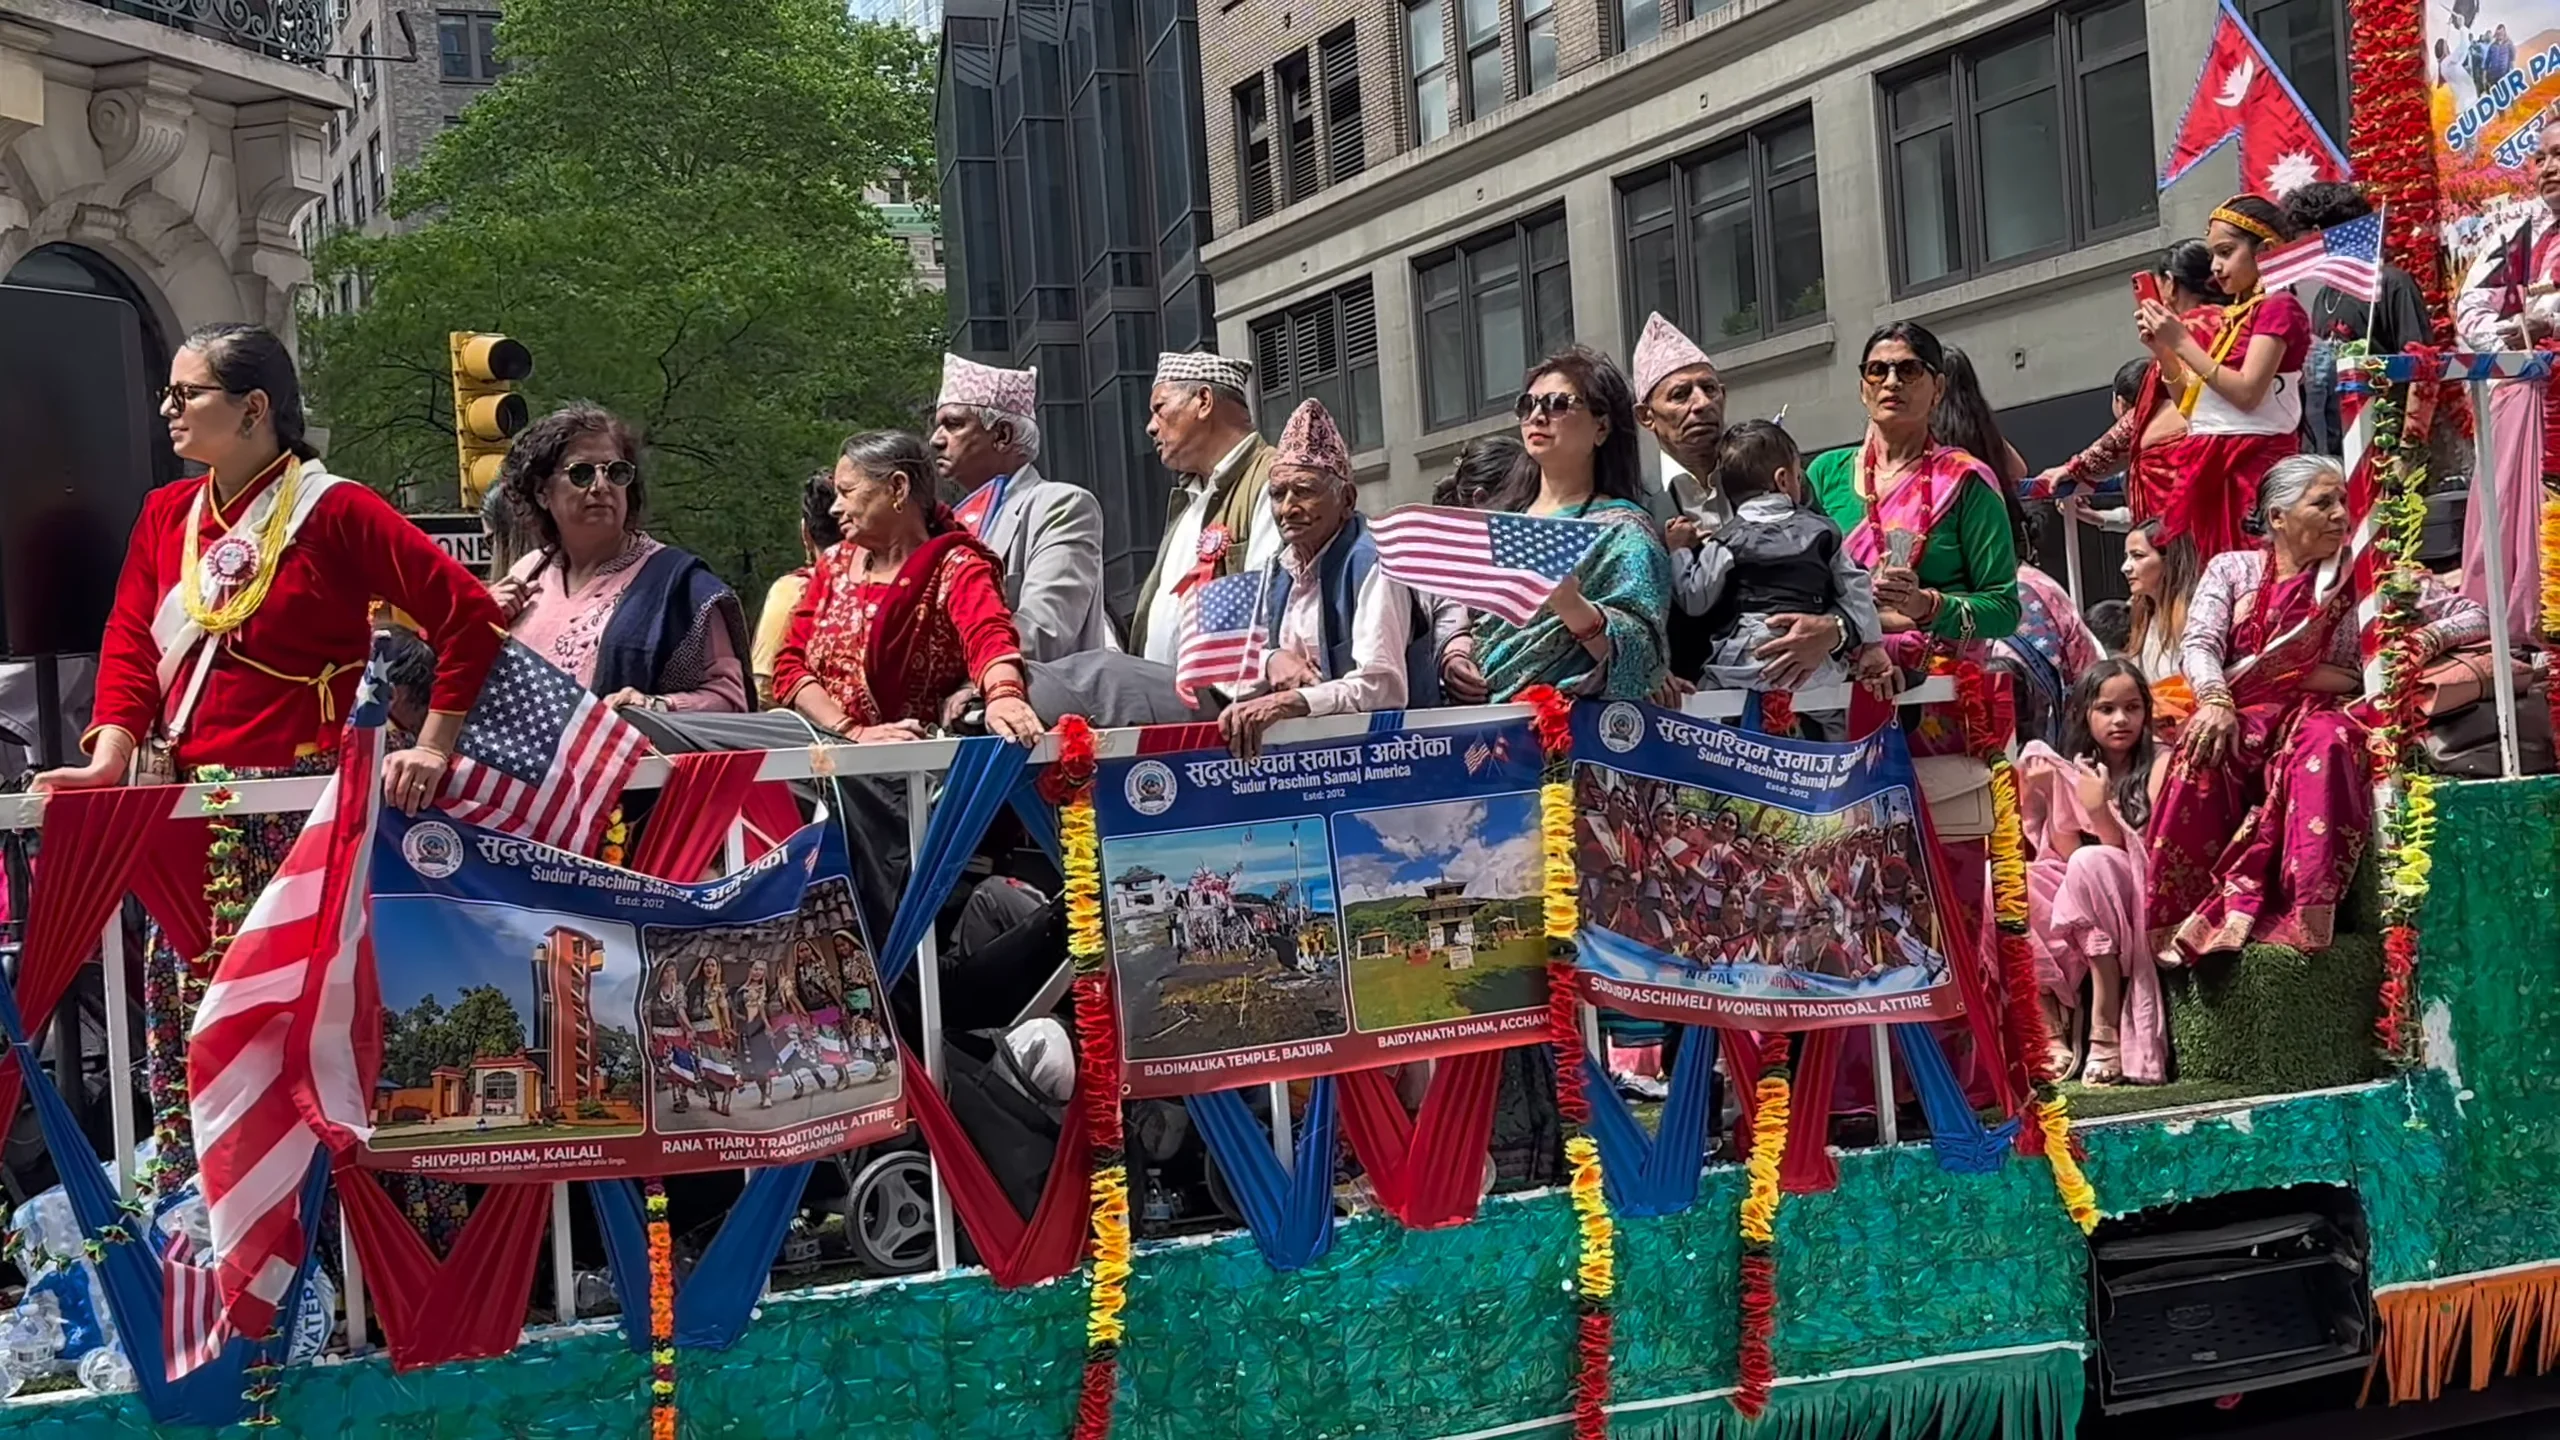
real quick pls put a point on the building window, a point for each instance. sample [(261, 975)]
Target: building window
[(1325, 349), (355, 197), (1346, 147), (381, 175), (1490, 307), (2033, 141), (1483, 27), (467, 46), (338, 202), (1253, 146), (1537, 45), (1426, 53), (364, 47), (1639, 21), (1728, 242), (2306, 39), (1298, 111)]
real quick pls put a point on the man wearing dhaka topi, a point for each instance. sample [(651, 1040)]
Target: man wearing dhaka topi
[(1219, 522), (1048, 532)]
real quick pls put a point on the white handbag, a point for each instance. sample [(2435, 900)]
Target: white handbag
[(1957, 789)]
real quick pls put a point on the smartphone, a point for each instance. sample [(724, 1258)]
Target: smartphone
[(2146, 286)]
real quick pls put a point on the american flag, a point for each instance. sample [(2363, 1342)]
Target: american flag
[(1507, 564), (2346, 258), (540, 757), (1222, 636), (282, 1057)]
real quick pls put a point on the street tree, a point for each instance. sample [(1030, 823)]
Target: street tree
[(663, 199)]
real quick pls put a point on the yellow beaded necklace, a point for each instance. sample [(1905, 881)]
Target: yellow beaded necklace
[(244, 601)]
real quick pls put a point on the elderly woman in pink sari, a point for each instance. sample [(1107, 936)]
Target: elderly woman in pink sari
[(2084, 807), (2269, 798)]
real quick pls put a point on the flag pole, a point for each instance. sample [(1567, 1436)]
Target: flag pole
[(2373, 305)]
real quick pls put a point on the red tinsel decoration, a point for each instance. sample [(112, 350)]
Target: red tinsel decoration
[(1591, 1382), (1777, 712), (2391, 140), (2399, 966), (1073, 771), (1564, 1032), (1553, 721), (1098, 1037), (1757, 1367), (1094, 1398)]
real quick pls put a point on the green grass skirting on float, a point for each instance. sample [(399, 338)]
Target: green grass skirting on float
[(2274, 1020)]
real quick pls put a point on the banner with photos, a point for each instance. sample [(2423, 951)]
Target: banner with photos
[(546, 1015), (1733, 879), (2493, 78), (1328, 906)]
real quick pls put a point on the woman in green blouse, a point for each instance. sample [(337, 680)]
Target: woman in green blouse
[(1926, 517)]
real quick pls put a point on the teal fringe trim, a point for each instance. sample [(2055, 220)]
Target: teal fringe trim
[(2035, 1396)]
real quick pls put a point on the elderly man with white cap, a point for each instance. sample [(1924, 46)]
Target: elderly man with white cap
[(1220, 520), (1048, 532)]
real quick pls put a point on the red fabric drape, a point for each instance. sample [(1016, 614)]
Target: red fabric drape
[(91, 839), (170, 880), (692, 817), (468, 1306), (1427, 1170), (1017, 1251), (771, 816), (1808, 1168)]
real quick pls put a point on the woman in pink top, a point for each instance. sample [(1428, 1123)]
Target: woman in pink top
[(637, 622), (2242, 393)]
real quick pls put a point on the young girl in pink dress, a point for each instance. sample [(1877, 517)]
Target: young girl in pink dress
[(2084, 810)]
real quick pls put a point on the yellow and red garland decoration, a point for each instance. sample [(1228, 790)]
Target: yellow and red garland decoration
[(1755, 1363), (1069, 786), (1987, 725), (2401, 417), (662, 1316), (1595, 1260)]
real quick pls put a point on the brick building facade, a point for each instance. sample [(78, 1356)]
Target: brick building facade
[(401, 103)]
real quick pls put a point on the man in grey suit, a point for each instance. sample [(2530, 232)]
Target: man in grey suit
[(1048, 533)]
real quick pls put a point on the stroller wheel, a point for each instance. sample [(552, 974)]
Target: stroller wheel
[(888, 1214)]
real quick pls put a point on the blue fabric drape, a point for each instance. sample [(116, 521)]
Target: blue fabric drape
[(1289, 1212), (1964, 1145), (713, 1303), (129, 1269), (1657, 1174), (1038, 816)]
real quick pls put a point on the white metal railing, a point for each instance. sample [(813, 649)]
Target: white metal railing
[(918, 762)]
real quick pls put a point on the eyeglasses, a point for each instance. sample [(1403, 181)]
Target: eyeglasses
[(620, 473), (183, 395), (1906, 371), (1551, 404)]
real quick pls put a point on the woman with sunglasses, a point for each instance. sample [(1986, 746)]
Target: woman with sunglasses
[(637, 622), (1927, 517), (1601, 632)]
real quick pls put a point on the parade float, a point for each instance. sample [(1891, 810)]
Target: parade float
[(2373, 1130)]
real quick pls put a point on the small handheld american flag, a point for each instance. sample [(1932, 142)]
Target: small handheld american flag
[(1222, 636), (2347, 258), (1507, 564), (540, 757)]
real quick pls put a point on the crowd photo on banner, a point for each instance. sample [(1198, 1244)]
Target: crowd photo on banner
[(1327, 877)]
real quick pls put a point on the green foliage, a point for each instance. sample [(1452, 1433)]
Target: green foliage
[(663, 200), (426, 1036)]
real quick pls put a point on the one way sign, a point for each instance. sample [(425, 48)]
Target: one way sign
[(461, 537)]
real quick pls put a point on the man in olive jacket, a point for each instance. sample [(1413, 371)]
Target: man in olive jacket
[(1219, 522)]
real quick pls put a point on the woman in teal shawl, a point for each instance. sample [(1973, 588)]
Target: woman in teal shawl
[(1601, 633)]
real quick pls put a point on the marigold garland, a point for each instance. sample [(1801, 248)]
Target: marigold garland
[(662, 1316), (1595, 1260), (2023, 1019), (2400, 420), (1069, 784), (1755, 1361)]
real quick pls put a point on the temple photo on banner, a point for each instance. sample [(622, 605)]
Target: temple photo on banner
[(1355, 902), (549, 1015), (1733, 879)]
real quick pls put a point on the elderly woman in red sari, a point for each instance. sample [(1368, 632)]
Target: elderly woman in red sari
[(904, 613), (2269, 797)]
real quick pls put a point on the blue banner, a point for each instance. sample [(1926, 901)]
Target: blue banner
[(1328, 906), (548, 1015), (1733, 879)]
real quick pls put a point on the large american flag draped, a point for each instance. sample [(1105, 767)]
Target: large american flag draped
[(1507, 564), (2347, 258), (540, 757), (1222, 636), (281, 1058)]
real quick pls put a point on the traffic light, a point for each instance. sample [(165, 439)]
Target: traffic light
[(487, 411)]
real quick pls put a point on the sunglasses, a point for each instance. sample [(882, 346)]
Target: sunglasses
[(619, 473), (1906, 371), (1551, 404), (182, 395)]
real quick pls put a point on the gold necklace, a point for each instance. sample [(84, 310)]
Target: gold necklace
[(267, 555)]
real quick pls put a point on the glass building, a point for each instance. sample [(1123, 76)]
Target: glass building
[(1075, 200)]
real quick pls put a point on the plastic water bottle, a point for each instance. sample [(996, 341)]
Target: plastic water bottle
[(106, 1372)]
